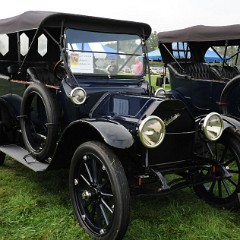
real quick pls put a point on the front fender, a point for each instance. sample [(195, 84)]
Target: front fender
[(231, 124), (112, 133)]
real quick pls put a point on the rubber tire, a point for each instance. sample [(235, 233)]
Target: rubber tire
[(232, 201), (119, 186), (51, 109), (232, 84), (2, 158)]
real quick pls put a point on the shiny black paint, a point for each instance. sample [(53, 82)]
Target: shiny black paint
[(103, 118)]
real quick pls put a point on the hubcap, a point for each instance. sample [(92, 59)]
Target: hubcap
[(86, 195)]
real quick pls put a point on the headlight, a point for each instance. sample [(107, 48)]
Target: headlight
[(152, 131), (160, 92), (213, 126), (78, 95)]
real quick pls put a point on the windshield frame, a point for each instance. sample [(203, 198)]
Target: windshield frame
[(122, 58)]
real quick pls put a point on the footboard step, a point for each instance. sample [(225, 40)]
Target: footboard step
[(22, 155)]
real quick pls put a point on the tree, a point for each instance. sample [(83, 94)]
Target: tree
[(152, 42)]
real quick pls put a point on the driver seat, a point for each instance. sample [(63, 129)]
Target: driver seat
[(42, 75)]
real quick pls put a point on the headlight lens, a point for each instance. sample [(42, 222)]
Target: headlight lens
[(152, 131), (78, 95), (160, 92), (213, 126)]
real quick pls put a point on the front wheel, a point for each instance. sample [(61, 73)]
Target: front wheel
[(223, 187), (99, 191)]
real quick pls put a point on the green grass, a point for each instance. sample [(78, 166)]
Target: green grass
[(37, 206), (153, 82)]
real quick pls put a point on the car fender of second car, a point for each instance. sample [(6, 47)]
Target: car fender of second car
[(231, 124)]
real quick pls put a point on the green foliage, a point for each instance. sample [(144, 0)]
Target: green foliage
[(37, 206), (152, 42)]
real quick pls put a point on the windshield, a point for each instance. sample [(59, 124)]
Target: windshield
[(99, 53)]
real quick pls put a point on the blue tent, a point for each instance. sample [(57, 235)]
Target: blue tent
[(210, 56), (103, 50), (155, 55)]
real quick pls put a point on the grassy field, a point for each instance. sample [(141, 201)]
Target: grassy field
[(37, 206), (153, 82)]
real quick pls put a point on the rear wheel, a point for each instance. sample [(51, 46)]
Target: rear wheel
[(224, 185), (99, 191)]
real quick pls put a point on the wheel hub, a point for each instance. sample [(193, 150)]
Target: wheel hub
[(86, 195), (94, 192)]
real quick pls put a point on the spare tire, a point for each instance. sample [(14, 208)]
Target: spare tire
[(39, 121)]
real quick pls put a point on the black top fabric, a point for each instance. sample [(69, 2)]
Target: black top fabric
[(201, 33), (35, 19)]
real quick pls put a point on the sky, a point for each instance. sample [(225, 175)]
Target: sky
[(161, 15)]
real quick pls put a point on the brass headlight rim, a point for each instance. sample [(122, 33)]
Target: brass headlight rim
[(142, 124), (205, 125)]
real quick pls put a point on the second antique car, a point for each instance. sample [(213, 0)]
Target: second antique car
[(61, 107), (203, 64)]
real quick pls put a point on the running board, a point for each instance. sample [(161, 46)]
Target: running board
[(23, 156)]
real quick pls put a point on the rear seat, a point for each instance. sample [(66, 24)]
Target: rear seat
[(195, 70), (225, 72)]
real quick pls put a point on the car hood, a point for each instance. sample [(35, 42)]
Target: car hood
[(132, 109)]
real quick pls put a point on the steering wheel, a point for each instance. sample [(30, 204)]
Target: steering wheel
[(59, 70)]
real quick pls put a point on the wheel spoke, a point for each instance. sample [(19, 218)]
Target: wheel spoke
[(219, 189), (98, 212), (226, 187), (233, 171), (85, 180), (106, 194), (88, 171), (224, 154), (231, 181), (209, 149), (104, 214), (94, 168), (106, 205), (229, 161), (212, 186)]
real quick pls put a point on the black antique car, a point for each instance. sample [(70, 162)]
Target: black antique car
[(203, 64), (62, 107)]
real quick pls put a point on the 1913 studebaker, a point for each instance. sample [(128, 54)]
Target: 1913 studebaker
[(61, 105)]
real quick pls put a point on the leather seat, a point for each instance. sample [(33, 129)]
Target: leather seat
[(225, 72), (195, 70)]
